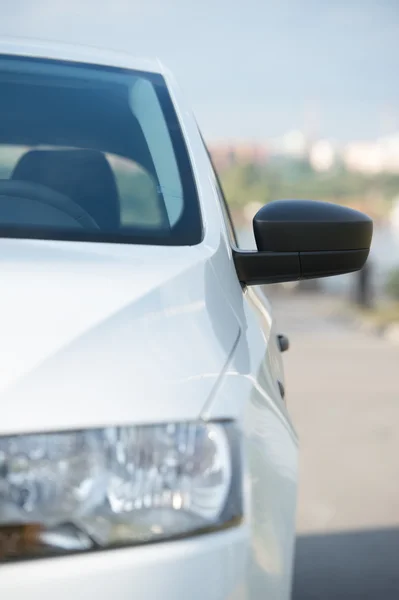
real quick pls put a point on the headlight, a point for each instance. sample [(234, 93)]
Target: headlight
[(83, 490)]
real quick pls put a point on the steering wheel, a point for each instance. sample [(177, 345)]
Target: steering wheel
[(14, 190)]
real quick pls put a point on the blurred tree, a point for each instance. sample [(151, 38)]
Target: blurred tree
[(246, 183)]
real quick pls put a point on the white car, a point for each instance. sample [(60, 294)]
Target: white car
[(146, 450)]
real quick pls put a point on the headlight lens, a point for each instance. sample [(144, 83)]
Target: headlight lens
[(82, 490)]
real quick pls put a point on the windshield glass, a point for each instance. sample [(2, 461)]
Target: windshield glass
[(92, 154)]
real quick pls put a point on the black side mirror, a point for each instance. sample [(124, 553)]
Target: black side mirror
[(304, 239)]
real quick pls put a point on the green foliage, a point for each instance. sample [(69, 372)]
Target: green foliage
[(392, 284)]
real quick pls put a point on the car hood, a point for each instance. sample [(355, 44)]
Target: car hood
[(102, 334)]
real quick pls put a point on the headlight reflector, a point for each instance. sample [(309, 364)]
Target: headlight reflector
[(115, 486)]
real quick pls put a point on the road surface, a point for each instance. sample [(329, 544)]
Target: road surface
[(343, 394)]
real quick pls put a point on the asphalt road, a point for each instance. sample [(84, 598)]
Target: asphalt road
[(343, 394)]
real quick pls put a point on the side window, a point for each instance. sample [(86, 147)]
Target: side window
[(222, 199), (226, 211)]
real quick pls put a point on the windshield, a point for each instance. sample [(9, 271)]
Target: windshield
[(92, 154)]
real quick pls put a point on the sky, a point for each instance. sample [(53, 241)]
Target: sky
[(251, 69)]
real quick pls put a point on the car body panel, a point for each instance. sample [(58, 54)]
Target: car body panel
[(85, 323), (207, 567)]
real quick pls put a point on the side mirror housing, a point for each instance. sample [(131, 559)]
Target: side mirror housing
[(304, 239)]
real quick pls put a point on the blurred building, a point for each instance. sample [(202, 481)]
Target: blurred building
[(369, 157), (322, 155), (293, 144), (373, 157)]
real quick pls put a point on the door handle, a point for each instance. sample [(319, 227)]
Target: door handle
[(283, 342)]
